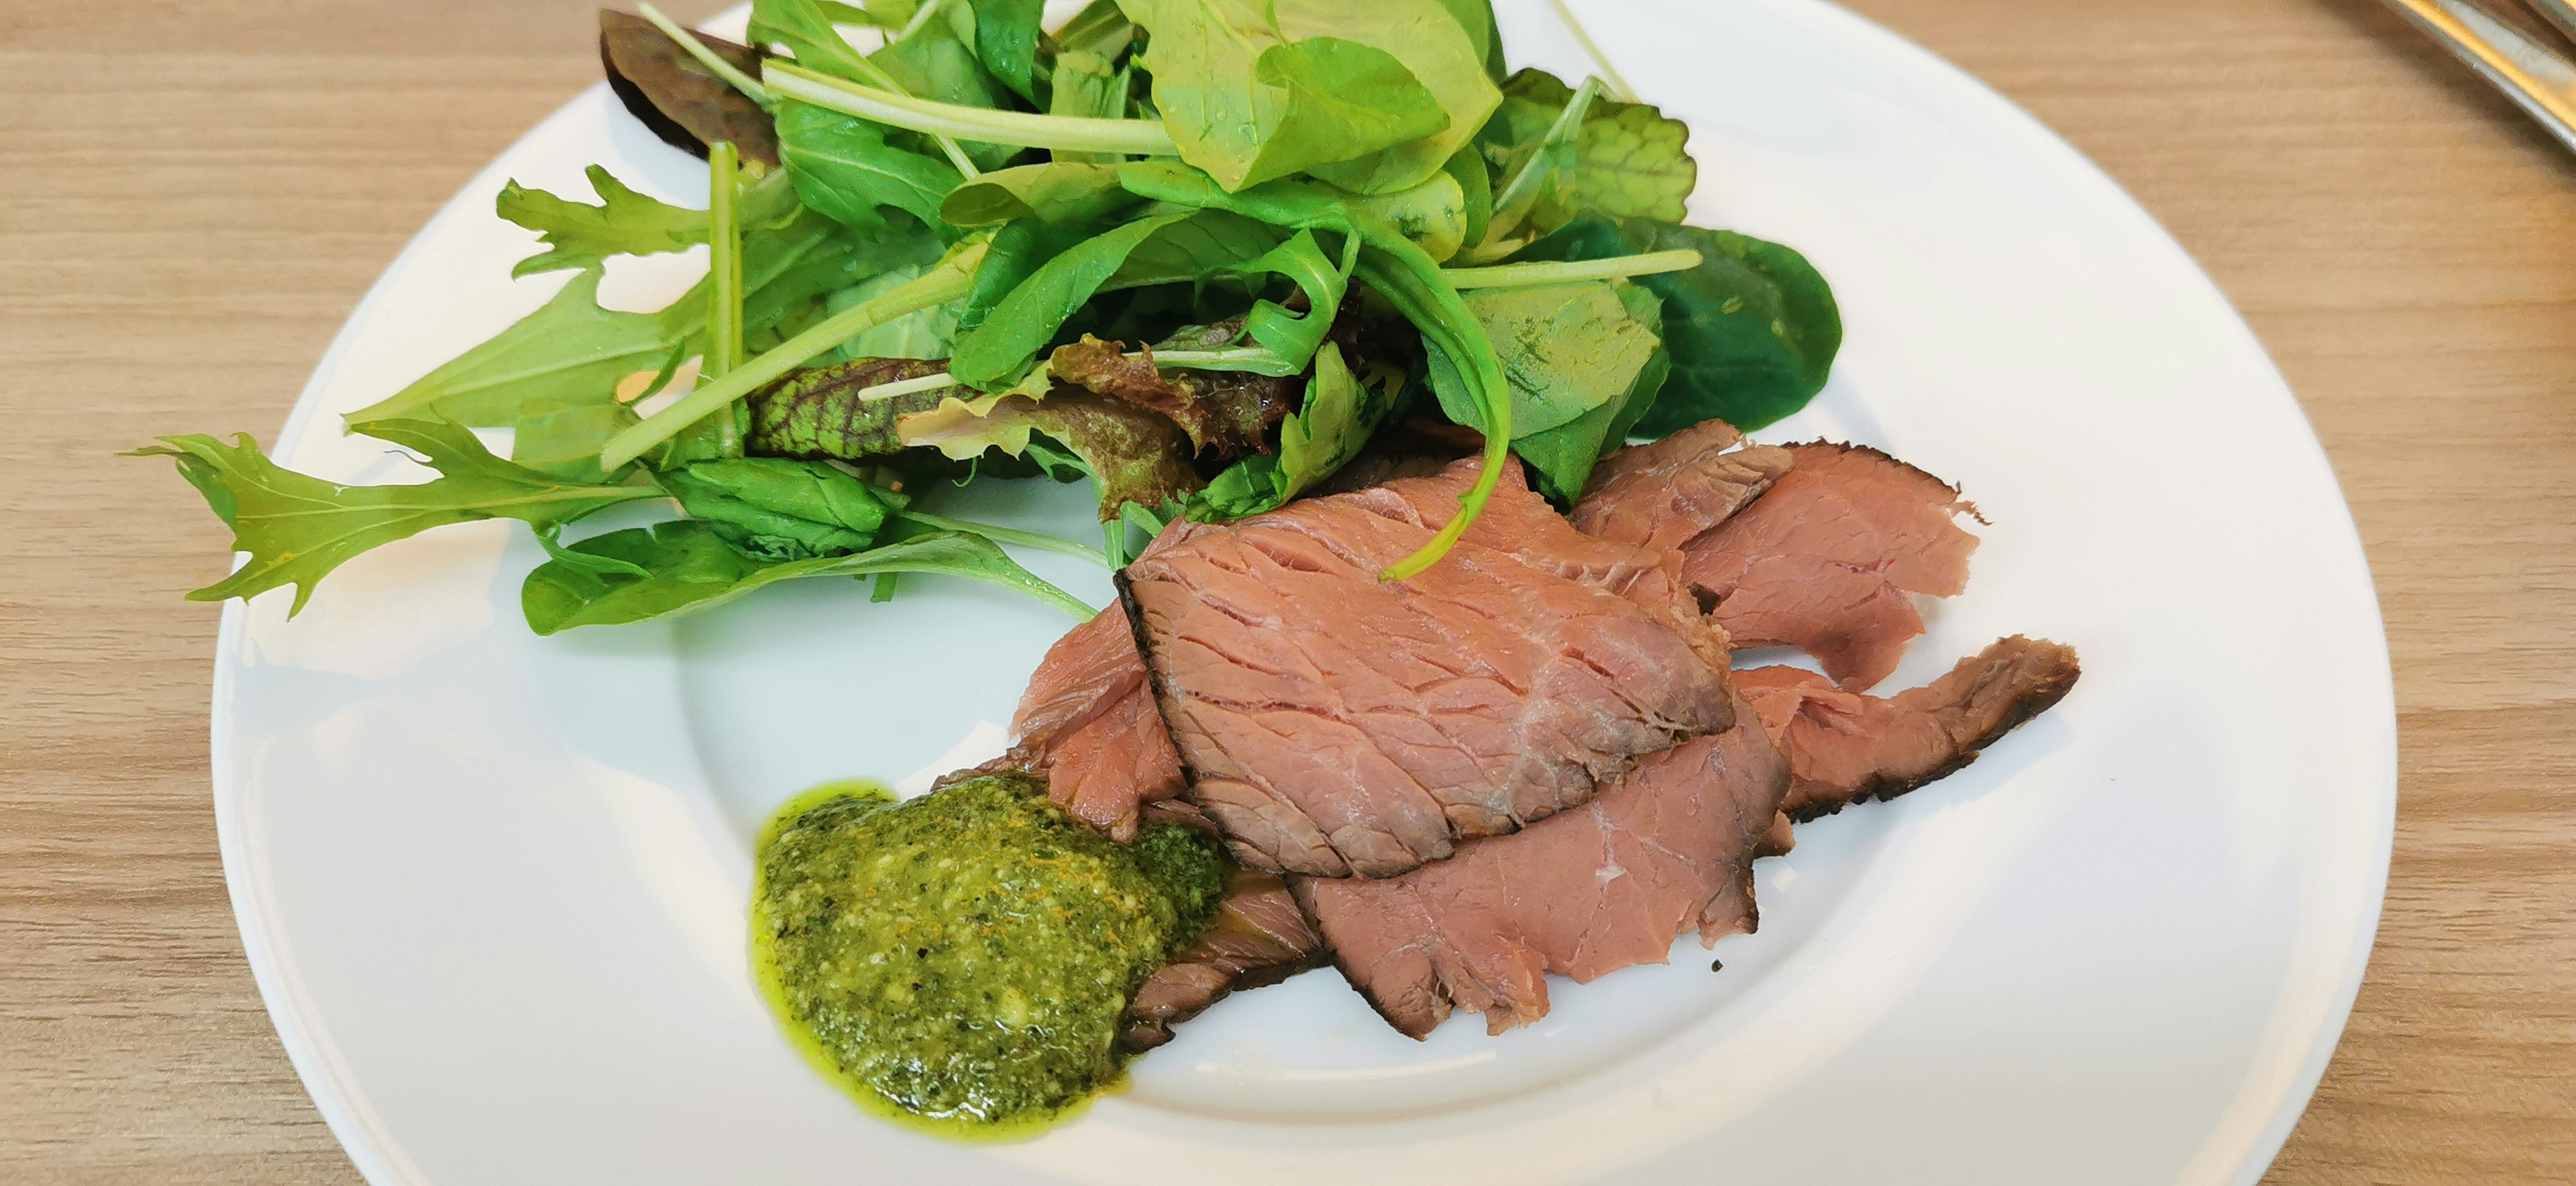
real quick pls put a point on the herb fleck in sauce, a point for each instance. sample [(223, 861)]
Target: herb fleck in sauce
[(964, 959)]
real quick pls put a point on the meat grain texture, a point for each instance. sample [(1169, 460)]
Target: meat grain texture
[(1666, 493), (1668, 849), (1336, 724), (1088, 723), (1826, 558)]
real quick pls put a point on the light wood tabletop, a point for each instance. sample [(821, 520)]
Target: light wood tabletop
[(192, 197)]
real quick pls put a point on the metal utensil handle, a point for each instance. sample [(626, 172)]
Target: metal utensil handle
[(2542, 83)]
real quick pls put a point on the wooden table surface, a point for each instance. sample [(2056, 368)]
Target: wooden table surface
[(193, 196)]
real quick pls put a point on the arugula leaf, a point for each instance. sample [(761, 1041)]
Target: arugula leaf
[(806, 30), (1753, 330), (579, 235), (1248, 102), (1339, 414), (816, 413), (1016, 252), (689, 568), (1562, 457), (1565, 348), (996, 353), (774, 509), (1436, 48), (1006, 41), (1062, 193), (297, 528), (844, 169)]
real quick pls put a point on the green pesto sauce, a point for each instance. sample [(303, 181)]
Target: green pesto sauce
[(962, 960)]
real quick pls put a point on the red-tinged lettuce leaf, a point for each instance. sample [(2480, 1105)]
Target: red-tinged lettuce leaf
[(816, 413), (1227, 413), (297, 528), (1134, 455), (686, 566), (675, 95)]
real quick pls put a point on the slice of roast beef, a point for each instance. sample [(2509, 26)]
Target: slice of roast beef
[(1825, 559), (1844, 747), (1334, 723), (1667, 849), (1259, 937), (1088, 723), (1666, 493)]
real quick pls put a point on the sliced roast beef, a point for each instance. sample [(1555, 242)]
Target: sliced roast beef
[(1335, 723), (1088, 723), (1259, 937), (1825, 559), (1844, 747), (1582, 893), (1666, 493)]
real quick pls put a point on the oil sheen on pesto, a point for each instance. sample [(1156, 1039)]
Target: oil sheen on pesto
[(966, 956)]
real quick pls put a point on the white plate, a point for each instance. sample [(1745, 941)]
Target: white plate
[(493, 886)]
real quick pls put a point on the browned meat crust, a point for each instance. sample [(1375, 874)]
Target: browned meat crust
[(1259, 938), (1845, 747)]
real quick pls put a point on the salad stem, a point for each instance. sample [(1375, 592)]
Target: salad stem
[(1619, 88), (706, 57), (1066, 133), (724, 274), (947, 282), (1514, 202), (1009, 535), (1259, 360), (1530, 275), (904, 387)]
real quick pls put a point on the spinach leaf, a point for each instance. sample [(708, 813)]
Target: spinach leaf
[(1006, 41), (1565, 348), (844, 169), (774, 509), (937, 62), (1248, 102), (297, 528), (1193, 250), (1018, 250), (1063, 193), (1562, 457), (688, 568), (999, 351), (1433, 45), (1753, 330), (1432, 214), (578, 235)]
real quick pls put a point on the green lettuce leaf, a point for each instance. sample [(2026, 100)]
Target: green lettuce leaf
[(1062, 193), (1248, 102), (297, 528), (1134, 455), (688, 567), (1006, 42), (1562, 457), (1753, 330), (1339, 414), (578, 235), (1566, 349), (1431, 42)]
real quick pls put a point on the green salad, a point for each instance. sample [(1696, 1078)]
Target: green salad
[(1197, 253)]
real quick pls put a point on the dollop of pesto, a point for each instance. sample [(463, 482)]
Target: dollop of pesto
[(965, 958)]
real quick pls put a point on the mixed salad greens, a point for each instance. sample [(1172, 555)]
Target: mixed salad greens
[(1197, 252)]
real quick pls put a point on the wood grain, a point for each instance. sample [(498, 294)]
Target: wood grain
[(193, 196)]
